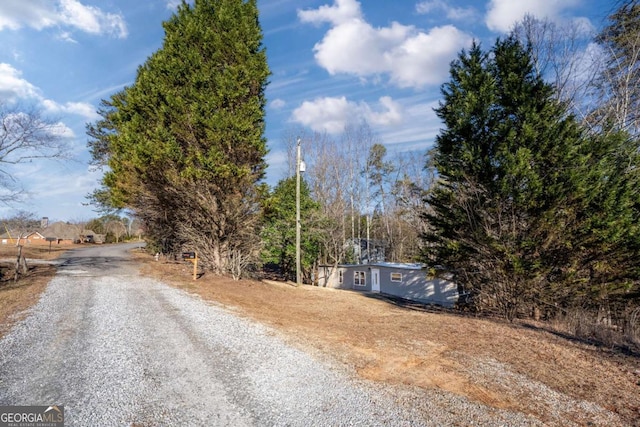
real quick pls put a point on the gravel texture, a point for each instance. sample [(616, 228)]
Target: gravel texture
[(118, 349)]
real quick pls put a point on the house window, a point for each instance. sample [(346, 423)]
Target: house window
[(341, 277), (396, 277), (359, 278)]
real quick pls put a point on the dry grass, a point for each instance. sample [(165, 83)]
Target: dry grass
[(17, 297), (34, 251), (585, 324), (424, 347)]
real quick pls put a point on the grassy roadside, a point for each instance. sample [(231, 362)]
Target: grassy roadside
[(17, 297)]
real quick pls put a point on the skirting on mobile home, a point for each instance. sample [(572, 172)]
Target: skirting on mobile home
[(409, 281)]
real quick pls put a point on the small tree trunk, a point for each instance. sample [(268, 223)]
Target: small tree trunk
[(25, 267), (21, 262), (17, 268)]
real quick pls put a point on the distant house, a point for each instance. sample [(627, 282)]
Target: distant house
[(409, 281), (64, 233), (12, 237), (34, 237), (366, 250)]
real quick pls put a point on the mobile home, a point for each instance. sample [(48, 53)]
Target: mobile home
[(409, 281)]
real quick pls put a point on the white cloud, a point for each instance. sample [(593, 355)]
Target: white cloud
[(390, 116), (503, 14), (41, 14), (588, 61), (59, 184), (277, 104), (411, 57), (277, 160), (420, 127), (454, 13), (332, 114), (424, 59), (13, 87), (12, 122), (357, 48), (77, 108), (38, 14), (584, 26), (173, 4), (62, 130), (67, 37), (343, 11), (325, 114)]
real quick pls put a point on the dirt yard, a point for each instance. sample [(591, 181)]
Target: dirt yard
[(510, 366)]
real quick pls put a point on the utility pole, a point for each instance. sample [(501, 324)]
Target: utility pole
[(298, 164), (368, 240)]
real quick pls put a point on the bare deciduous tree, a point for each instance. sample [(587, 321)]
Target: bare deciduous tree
[(25, 135), (617, 88), (563, 55), (361, 197), (117, 228)]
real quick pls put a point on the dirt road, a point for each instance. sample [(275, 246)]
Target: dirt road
[(118, 349)]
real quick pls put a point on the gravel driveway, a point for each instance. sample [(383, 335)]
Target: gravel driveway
[(118, 349)]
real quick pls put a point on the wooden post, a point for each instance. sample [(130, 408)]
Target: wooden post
[(195, 267), (193, 258)]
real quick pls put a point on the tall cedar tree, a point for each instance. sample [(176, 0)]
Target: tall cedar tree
[(184, 144), (505, 160)]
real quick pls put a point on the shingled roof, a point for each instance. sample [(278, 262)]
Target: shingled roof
[(62, 231)]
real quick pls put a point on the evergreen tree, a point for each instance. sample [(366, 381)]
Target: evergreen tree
[(602, 272), (279, 231), (184, 144), (506, 161)]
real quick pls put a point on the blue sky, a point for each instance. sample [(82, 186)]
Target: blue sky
[(333, 62)]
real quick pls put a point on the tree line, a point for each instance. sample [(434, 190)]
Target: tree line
[(359, 203), (528, 197), (113, 228)]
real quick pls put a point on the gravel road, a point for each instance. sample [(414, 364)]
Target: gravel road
[(119, 349)]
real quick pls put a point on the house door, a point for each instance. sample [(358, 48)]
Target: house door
[(375, 280)]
